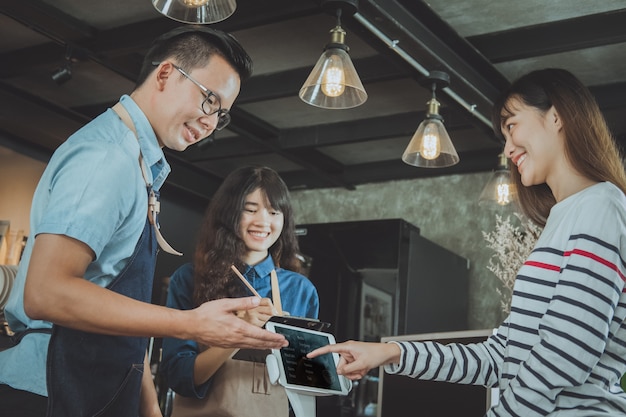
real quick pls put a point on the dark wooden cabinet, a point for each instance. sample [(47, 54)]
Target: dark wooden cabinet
[(380, 278)]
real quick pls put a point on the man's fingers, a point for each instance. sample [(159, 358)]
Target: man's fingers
[(260, 339), (237, 304)]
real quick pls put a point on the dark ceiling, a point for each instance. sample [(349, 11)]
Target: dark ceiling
[(482, 44)]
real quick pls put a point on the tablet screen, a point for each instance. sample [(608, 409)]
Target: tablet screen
[(298, 370)]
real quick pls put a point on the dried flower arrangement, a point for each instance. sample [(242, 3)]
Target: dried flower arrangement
[(512, 245)]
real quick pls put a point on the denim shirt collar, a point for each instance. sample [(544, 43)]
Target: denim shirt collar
[(152, 153), (263, 268)]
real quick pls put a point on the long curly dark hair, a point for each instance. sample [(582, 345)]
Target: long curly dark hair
[(219, 245)]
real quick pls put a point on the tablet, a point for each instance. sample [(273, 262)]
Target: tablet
[(307, 323), (317, 376)]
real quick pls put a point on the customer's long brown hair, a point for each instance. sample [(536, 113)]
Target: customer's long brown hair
[(219, 245), (589, 145)]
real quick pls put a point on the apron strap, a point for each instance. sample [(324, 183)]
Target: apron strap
[(276, 292), (275, 289), (154, 207), (18, 336)]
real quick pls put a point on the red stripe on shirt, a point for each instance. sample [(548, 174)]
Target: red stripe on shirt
[(597, 259), (543, 265), (581, 253)]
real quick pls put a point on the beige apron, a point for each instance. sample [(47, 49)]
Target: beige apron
[(240, 388)]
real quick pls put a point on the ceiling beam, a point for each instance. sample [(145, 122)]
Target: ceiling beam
[(249, 14), (260, 132), (47, 20), (411, 34), (31, 149), (362, 130), (553, 37), (421, 35), (102, 47), (305, 139), (610, 96), (189, 178), (397, 170)]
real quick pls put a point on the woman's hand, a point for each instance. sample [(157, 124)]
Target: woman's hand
[(149, 402), (357, 358), (259, 315)]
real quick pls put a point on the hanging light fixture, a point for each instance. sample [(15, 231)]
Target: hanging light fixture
[(499, 189), (430, 146), (334, 82), (64, 73), (196, 11)]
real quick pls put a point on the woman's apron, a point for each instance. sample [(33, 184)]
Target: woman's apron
[(241, 386), (90, 374)]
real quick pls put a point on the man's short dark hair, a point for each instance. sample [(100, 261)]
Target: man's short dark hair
[(192, 46)]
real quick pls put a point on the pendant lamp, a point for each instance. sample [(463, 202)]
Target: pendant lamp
[(196, 11), (430, 146), (499, 189), (334, 82)]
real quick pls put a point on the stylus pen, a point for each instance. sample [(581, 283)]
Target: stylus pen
[(245, 281)]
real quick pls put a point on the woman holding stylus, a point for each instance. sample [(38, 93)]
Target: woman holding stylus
[(248, 231)]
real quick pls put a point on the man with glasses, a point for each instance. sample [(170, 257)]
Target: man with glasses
[(211, 103), (80, 305)]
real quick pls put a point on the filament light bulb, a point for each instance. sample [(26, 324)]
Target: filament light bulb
[(503, 192), (334, 81), (431, 147), (194, 3)]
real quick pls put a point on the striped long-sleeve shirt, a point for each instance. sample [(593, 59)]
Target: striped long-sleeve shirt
[(562, 349)]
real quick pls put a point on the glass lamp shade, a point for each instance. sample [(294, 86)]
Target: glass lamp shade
[(196, 11), (430, 146), (499, 189), (334, 82)]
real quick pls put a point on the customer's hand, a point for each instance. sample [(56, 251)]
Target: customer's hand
[(357, 358), (215, 323)]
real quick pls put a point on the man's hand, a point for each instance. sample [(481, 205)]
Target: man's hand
[(216, 324)]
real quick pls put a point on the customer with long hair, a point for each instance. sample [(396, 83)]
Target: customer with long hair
[(562, 349)]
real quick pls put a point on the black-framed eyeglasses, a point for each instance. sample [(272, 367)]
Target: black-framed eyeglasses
[(211, 103)]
